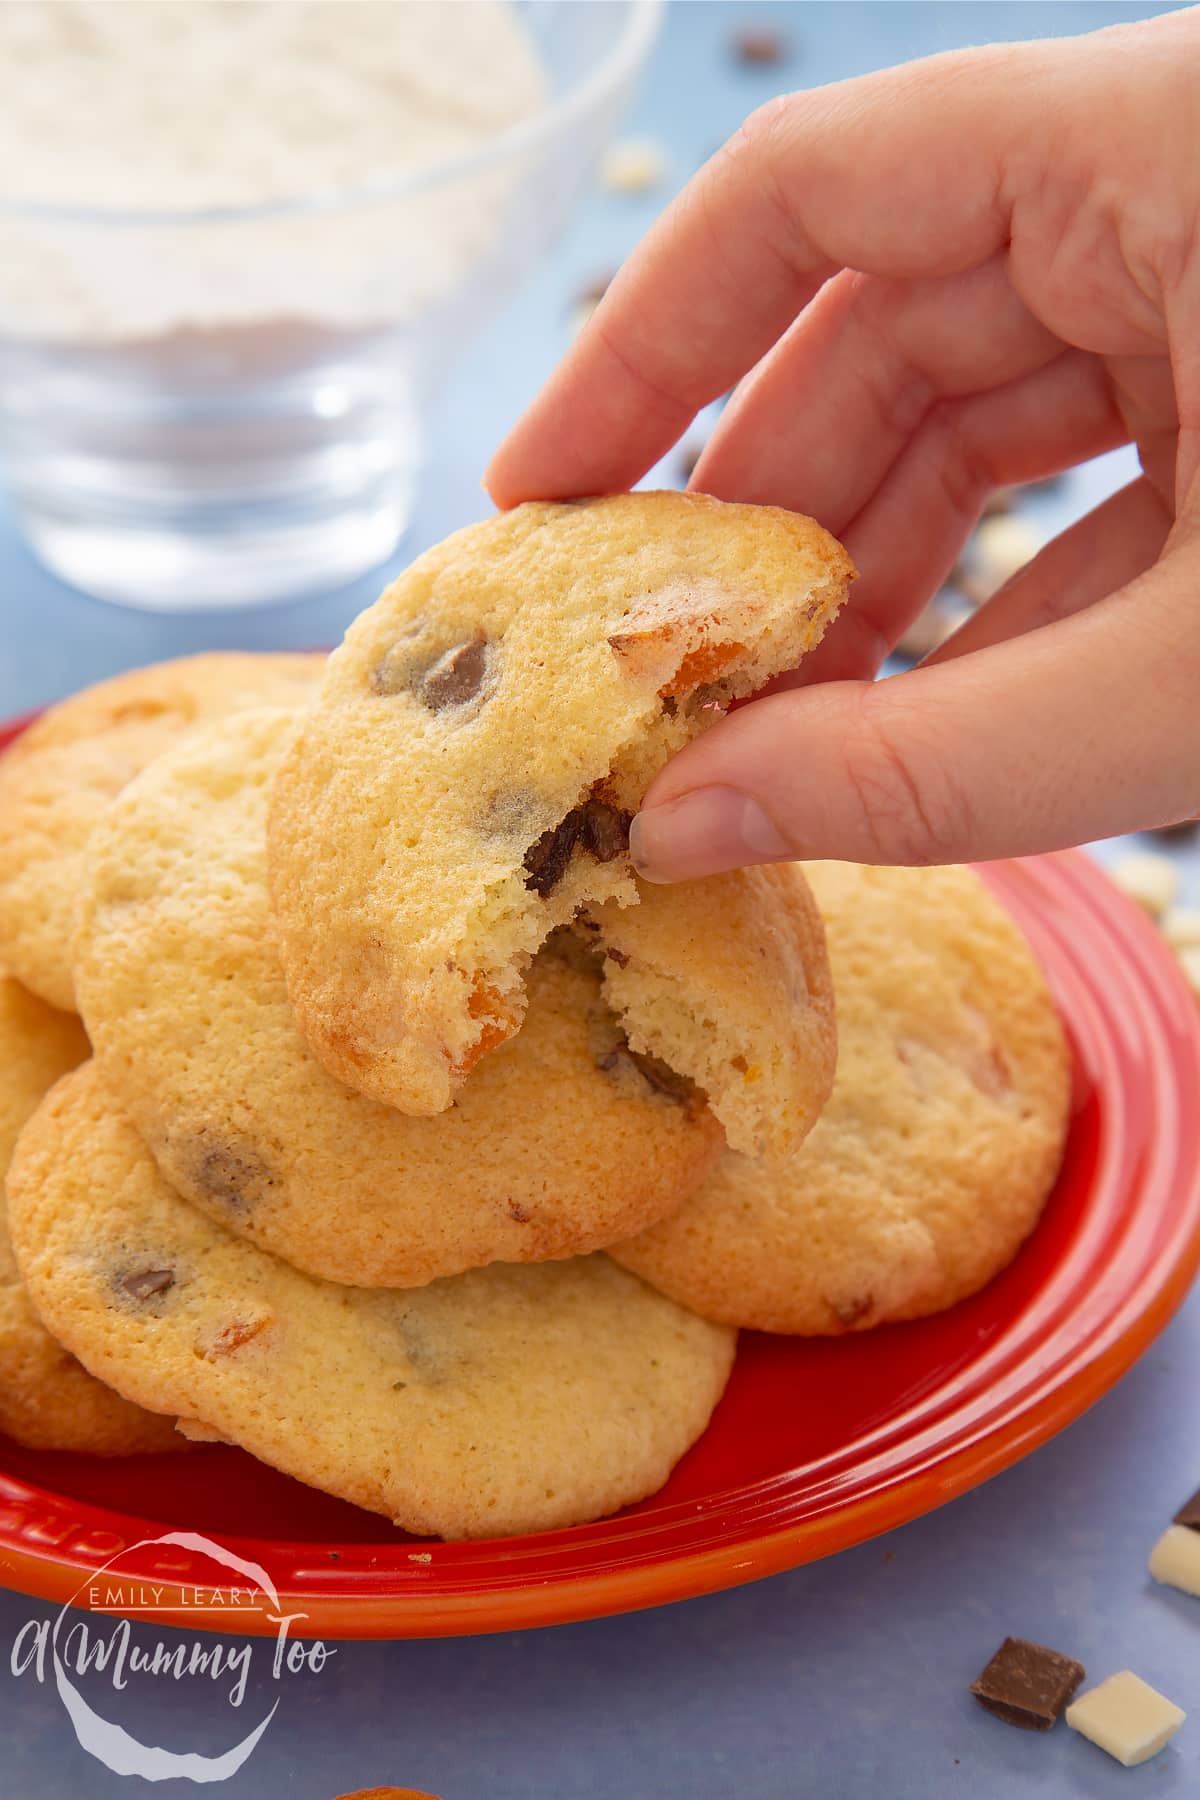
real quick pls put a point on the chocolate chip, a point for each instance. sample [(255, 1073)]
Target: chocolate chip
[(656, 1073), (1027, 1685), (759, 47), (227, 1173), (143, 1284), (600, 829), (546, 860), (450, 679), (455, 677), (605, 832), (617, 956)]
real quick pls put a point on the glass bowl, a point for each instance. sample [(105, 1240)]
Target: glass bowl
[(206, 409)]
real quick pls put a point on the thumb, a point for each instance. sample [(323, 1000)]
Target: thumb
[(1078, 730)]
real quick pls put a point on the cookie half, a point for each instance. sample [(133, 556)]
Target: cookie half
[(465, 780), (59, 775), (48, 1401), (506, 1400), (940, 1143), (566, 1140)]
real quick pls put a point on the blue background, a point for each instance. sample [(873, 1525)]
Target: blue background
[(844, 1679)]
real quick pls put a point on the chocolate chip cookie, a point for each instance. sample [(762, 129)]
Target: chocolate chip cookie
[(567, 1139), (510, 1399), (59, 775), (465, 779), (48, 1400), (938, 1148)]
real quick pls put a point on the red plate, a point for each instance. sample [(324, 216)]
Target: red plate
[(816, 1445)]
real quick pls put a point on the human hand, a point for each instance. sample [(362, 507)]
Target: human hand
[(962, 273)]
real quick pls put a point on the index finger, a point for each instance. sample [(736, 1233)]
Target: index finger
[(903, 173)]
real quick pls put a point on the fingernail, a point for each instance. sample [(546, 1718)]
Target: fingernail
[(701, 833)]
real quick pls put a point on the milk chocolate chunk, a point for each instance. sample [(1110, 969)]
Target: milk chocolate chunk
[(456, 677), (546, 860), (605, 830), (653, 1071), (600, 829), (1027, 1685), (143, 1284), (1189, 1512)]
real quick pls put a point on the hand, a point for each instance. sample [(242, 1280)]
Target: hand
[(962, 273)]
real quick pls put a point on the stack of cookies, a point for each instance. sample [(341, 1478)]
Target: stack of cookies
[(413, 1144)]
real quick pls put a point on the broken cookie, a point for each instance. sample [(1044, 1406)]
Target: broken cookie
[(464, 782)]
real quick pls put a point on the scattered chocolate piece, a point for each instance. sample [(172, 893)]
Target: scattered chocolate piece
[(143, 1284), (760, 47), (1189, 1512), (1175, 1559), (633, 165), (617, 956), (1149, 878), (1027, 1685), (1126, 1717)]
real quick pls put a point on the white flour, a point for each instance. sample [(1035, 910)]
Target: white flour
[(171, 105)]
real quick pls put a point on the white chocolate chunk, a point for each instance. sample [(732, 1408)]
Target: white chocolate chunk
[(1150, 879), (633, 165), (1126, 1717), (1181, 927), (1175, 1559)]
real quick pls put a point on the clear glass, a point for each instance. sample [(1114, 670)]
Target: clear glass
[(223, 408)]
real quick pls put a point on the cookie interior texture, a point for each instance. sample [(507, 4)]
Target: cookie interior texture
[(47, 1400), (510, 1399), (728, 980), (562, 1143), (940, 1143), (464, 782), (58, 776)]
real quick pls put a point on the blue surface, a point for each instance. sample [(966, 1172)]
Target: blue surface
[(841, 1680)]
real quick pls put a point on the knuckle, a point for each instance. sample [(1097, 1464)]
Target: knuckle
[(910, 811), (964, 469)]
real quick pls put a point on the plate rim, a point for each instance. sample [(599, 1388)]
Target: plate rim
[(717, 1541)]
